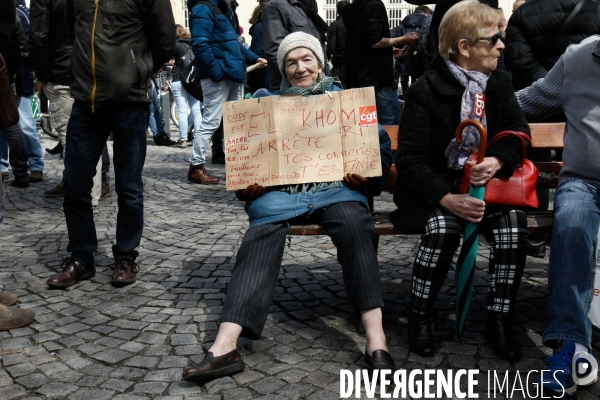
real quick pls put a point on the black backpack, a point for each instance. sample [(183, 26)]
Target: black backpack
[(187, 66)]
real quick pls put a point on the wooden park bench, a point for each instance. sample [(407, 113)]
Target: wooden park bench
[(547, 136)]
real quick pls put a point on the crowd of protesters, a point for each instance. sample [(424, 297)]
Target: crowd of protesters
[(540, 65)]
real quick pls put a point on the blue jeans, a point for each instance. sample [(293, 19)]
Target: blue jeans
[(183, 98), (32, 140), (215, 94), (572, 257), (86, 139), (156, 120), (388, 106)]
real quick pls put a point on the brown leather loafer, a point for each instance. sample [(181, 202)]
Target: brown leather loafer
[(215, 367), (380, 359), (72, 273), (13, 318), (7, 299), (125, 271), (198, 174)]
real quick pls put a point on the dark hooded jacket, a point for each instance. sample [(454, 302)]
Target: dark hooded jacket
[(532, 48), (50, 46), (367, 23), (131, 40)]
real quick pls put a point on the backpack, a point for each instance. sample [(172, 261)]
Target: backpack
[(416, 59), (187, 66)]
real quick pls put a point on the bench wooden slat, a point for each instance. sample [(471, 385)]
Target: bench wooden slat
[(537, 221), (547, 136), (544, 136)]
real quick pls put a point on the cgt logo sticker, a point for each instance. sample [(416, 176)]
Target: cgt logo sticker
[(368, 116)]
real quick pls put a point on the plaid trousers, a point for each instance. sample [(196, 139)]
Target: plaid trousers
[(507, 233)]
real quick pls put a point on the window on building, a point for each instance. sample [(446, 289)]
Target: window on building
[(397, 10), (186, 17), (329, 8)]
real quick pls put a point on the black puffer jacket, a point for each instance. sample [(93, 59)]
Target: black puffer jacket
[(131, 40), (529, 53), (429, 120), (50, 46)]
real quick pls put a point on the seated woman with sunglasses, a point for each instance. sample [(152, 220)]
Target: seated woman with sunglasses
[(461, 83)]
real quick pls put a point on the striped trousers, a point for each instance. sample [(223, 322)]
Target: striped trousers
[(254, 278), (506, 231)]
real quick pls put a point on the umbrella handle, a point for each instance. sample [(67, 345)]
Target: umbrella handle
[(482, 136)]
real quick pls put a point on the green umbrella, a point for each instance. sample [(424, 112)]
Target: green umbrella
[(465, 267)]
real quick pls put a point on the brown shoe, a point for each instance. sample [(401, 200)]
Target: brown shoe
[(125, 271), (105, 191), (198, 174), (7, 299), (13, 318), (5, 176), (72, 273), (36, 176), (57, 191), (215, 367)]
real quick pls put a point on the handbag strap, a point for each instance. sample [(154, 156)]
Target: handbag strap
[(522, 137), (567, 22)]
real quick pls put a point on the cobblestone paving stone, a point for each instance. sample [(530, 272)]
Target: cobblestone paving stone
[(94, 341)]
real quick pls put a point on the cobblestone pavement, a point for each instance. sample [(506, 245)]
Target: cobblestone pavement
[(95, 342)]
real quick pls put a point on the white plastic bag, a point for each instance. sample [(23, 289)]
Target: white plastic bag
[(594, 314)]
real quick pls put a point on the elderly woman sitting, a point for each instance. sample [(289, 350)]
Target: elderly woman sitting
[(340, 207), (430, 167)]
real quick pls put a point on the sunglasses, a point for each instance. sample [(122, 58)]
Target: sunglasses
[(493, 39)]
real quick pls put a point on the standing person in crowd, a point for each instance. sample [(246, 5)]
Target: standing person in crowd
[(342, 209), (221, 69), (185, 101), (51, 49), (282, 17), (157, 126), (430, 166), (571, 87), (258, 79), (411, 65), (25, 87), (369, 55), (10, 318), (538, 33), (106, 102), (11, 130), (441, 7), (336, 43)]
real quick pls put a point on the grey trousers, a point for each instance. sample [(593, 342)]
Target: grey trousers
[(254, 277)]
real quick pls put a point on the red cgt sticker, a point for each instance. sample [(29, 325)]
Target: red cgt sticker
[(368, 116), (479, 106)]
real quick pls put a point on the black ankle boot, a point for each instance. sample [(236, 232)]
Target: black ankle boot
[(420, 335), (500, 335)]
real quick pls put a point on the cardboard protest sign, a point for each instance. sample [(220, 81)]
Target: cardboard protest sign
[(280, 140)]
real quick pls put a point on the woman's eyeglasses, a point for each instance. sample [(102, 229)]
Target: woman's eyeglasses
[(493, 39)]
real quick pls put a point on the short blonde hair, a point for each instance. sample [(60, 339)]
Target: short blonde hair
[(465, 20)]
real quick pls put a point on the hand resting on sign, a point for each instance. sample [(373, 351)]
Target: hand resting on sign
[(253, 191), (356, 182)]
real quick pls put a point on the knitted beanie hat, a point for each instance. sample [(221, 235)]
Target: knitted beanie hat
[(296, 40)]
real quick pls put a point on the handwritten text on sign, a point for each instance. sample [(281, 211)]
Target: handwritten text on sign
[(282, 140)]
